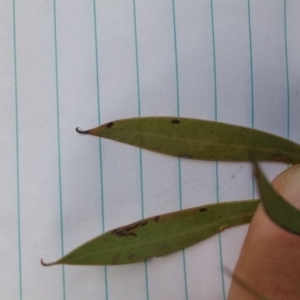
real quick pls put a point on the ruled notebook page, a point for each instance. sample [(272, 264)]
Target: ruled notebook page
[(81, 63)]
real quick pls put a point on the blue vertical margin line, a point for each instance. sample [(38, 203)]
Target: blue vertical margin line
[(140, 150), (100, 140), (251, 63), (58, 149), (17, 153), (216, 118), (287, 70), (251, 80), (178, 114)]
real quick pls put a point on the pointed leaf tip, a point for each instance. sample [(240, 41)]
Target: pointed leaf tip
[(82, 131), (47, 264)]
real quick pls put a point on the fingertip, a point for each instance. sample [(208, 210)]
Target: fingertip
[(270, 254)]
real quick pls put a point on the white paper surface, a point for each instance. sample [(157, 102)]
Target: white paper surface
[(65, 64)]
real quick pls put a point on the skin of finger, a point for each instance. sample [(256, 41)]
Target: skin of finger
[(269, 261)]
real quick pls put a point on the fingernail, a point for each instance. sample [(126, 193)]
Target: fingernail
[(288, 185)]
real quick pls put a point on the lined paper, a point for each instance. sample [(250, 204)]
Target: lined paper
[(81, 63)]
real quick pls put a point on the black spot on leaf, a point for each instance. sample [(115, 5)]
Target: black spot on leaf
[(110, 124), (175, 121), (132, 226), (156, 219), (121, 233), (203, 209)]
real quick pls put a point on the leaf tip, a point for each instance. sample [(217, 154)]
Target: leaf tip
[(82, 131), (47, 264)]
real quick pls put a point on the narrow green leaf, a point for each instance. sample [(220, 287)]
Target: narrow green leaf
[(160, 235), (199, 139), (279, 210)]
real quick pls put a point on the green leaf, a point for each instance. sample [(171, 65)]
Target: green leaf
[(199, 139), (160, 235), (279, 210)]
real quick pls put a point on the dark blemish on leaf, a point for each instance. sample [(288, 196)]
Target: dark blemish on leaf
[(121, 233), (131, 256), (156, 219), (110, 124), (175, 121), (144, 223), (82, 131), (132, 226), (203, 209), (132, 234)]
